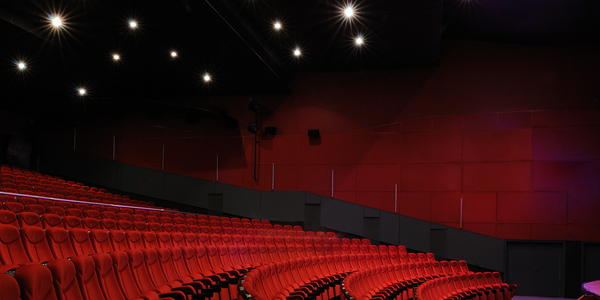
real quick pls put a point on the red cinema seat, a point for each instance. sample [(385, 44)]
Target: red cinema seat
[(154, 227), (89, 285), (139, 226), (139, 218), (112, 209), (80, 238), (118, 240), (8, 217), (164, 240), (150, 240), (90, 223), (134, 240), (191, 239), (15, 207), (203, 239), (51, 220), (12, 251), (9, 289), (141, 274), (26, 200), (81, 206), (101, 241), (35, 282), (58, 240), (64, 204), (108, 215), (124, 225), (155, 270), (124, 217), (35, 244), (27, 218), (64, 279), (91, 213), (55, 210), (106, 277), (35, 208), (70, 222), (125, 278), (168, 227), (74, 212), (107, 224), (178, 240)]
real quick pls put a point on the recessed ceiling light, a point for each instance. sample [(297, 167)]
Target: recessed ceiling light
[(56, 21), (359, 41), (21, 65), (277, 25), (349, 11), (82, 91), (206, 77), (133, 24), (173, 54), (116, 57), (297, 52)]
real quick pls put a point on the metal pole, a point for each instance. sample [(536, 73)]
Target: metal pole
[(461, 213), (332, 183), (114, 145), (273, 178), (217, 169), (396, 198), (163, 158)]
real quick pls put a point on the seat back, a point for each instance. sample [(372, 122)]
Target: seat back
[(101, 241), (150, 241), (64, 279), (87, 278), (28, 218), (8, 217), (107, 224), (124, 276), (106, 277), (70, 222), (60, 245), (35, 243), (51, 220), (80, 238), (118, 240), (12, 251), (90, 223), (134, 240)]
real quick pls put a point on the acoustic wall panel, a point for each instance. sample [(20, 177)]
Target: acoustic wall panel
[(282, 206)]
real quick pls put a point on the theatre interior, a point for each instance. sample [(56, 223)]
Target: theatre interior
[(300, 149)]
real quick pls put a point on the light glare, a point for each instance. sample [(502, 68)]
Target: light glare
[(277, 25), (82, 91), (116, 57), (359, 41), (21, 65), (56, 21), (133, 24), (349, 11), (206, 77), (297, 52), (173, 54)]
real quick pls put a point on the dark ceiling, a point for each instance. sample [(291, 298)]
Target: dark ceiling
[(234, 41)]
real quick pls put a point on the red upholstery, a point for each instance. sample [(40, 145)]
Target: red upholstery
[(107, 224), (35, 244), (58, 240), (124, 225), (64, 279), (87, 278), (27, 218), (108, 215), (11, 247), (35, 208), (101, 241), (150, 240), (35, 282), (106, 277), (91, 213), (15, 207), (70, 222), (9, 289), (134, 240), (118, 240), (139, 226), (51, 220), (55, 210), (8, 217), (90, 223), (164, 240), (124, 216), (80, 238)]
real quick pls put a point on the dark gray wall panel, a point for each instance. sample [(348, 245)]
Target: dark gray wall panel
[(239, 201), (489, 252), (414, 234), (188, 190), (371, 212), (591, 262), (282, 206), (537, 268), (342, 216), (139, 180), (389, 224), (313, 198)]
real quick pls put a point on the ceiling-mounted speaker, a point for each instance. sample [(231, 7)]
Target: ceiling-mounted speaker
[(253, 105), (253, 128), (314, 133), (271, 130)]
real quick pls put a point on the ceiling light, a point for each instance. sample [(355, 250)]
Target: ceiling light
[(297, 52), (358, 41), (349, 11), (277, 25), (206, 77), (21, 65), (82, 91), (173, 54), (133, 24), (56, 21), (116, 57)]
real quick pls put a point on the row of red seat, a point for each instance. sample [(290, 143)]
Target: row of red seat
[(476, 286)]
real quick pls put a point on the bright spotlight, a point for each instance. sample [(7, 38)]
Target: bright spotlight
[(56, 21), (358, 41), (277, 25), (21, 65), (206, 77), (82, 92), (116, 57), (133, 24), (349, 11), (173, 54), (297, 52)]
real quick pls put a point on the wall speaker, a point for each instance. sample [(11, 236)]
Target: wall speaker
[(271, 130), (314, 133), (253, 128)]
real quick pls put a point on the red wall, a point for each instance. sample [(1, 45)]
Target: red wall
[(512, 130)]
